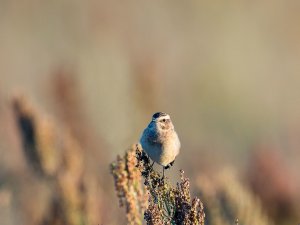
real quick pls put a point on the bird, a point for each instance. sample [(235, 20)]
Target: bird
[(160, 140)]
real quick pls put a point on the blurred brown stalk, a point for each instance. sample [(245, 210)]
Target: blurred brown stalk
[(56, 158)]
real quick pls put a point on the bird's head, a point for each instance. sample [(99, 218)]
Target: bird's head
[(162, 121)]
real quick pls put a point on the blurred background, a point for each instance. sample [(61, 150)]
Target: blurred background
[(80, 80)]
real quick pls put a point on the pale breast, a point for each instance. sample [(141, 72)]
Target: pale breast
[(170, 149), (162, 148)]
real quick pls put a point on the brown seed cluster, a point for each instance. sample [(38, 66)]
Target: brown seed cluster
[(166, 204), (188, 212), (130, 191)]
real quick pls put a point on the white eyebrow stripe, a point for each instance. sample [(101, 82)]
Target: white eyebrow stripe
[(164, 117)]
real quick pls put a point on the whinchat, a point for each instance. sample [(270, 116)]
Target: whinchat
[(160, 140)]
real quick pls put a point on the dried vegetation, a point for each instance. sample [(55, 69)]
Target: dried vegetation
[(166, 204)]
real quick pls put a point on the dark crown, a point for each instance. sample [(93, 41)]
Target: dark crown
[(158, 114)]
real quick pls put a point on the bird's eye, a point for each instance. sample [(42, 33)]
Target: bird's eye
[(164, 120)]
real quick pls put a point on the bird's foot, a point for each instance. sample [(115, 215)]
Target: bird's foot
[(169, 165), (172, 163)]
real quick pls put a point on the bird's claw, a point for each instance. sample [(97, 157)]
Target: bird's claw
[(169, 165)]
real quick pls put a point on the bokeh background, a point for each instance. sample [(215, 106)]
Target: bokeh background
[(226, 71)]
